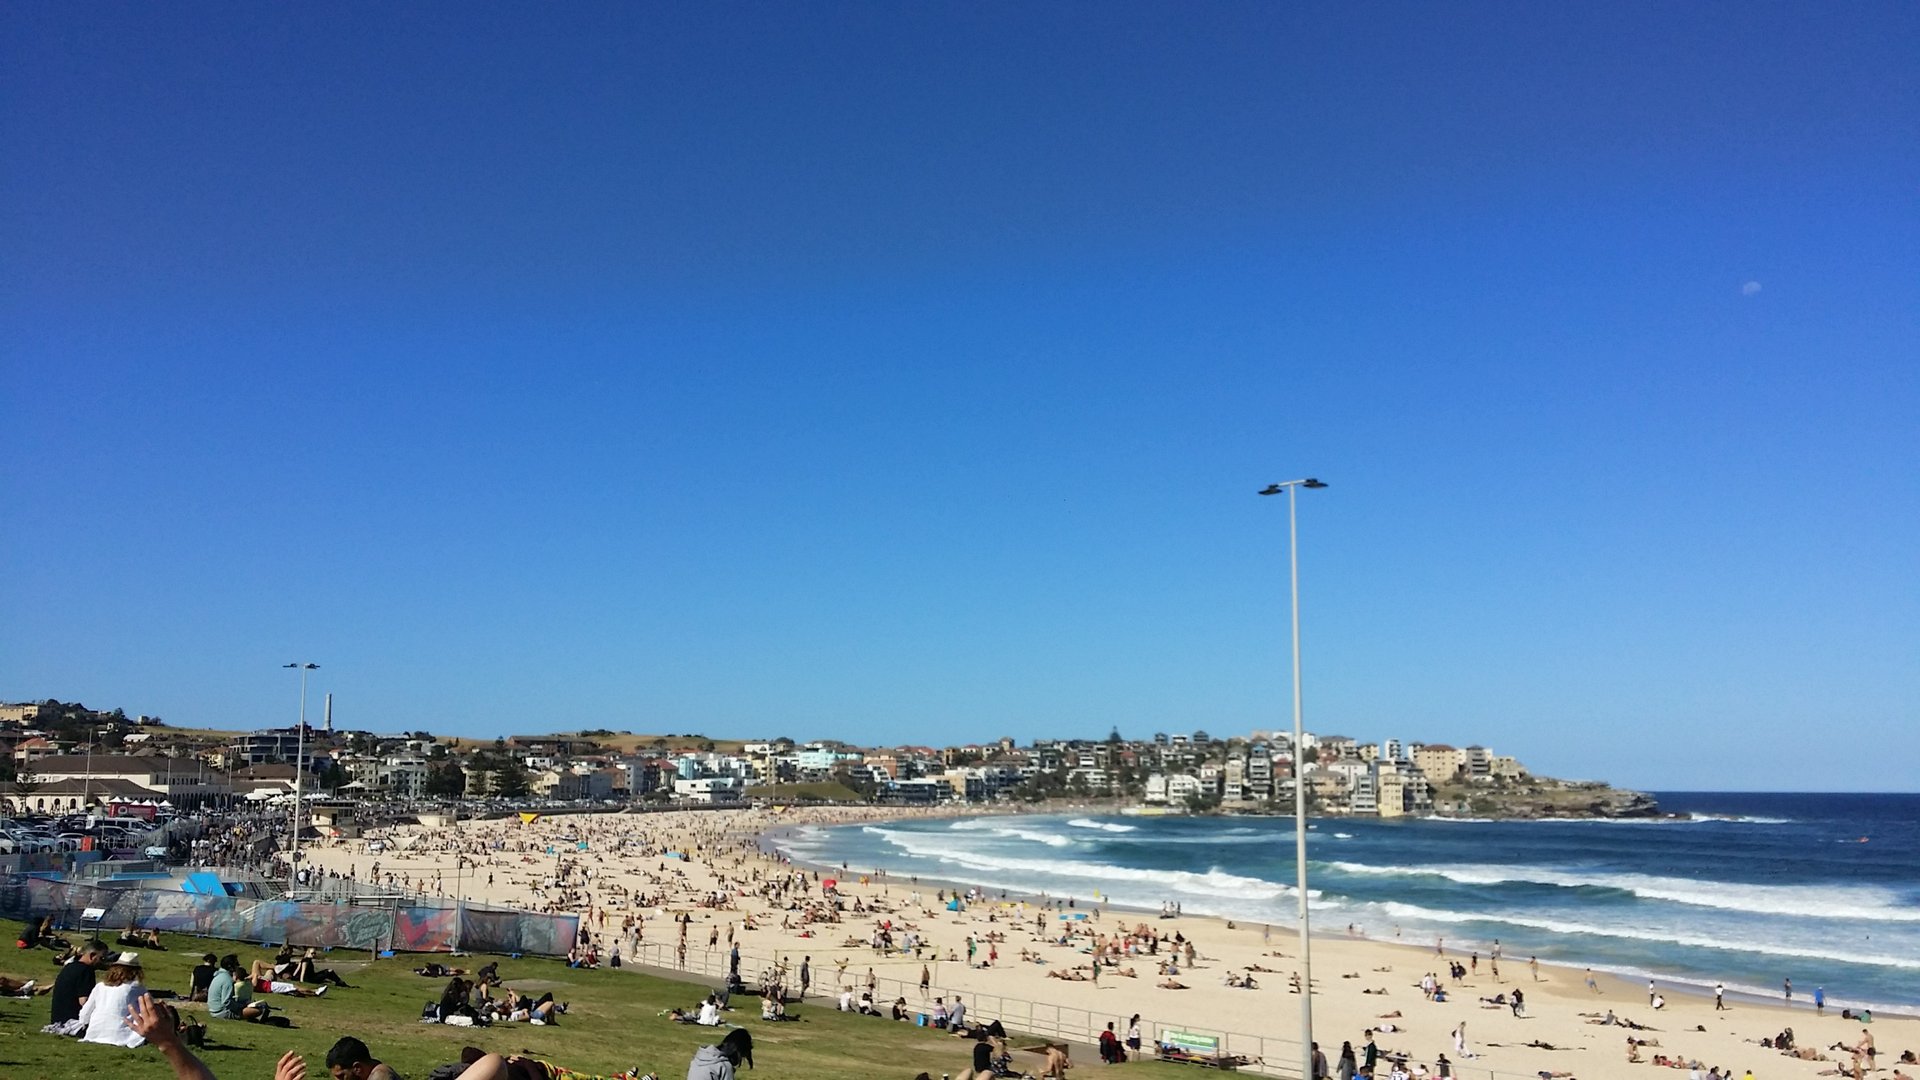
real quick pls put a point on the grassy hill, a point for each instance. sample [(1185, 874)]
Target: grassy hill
[(613, 1023)]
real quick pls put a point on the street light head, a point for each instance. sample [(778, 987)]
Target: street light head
[(1312, 483), (1271, 489)]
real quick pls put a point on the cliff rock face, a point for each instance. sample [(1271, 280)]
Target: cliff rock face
[(1544, 799)]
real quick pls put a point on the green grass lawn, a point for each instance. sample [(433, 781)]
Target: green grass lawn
[(613, 1024)]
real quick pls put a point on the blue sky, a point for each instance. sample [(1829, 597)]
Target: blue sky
[(906, 372)]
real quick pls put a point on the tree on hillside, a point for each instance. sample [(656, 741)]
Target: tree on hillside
[(448, 781), (509, 778), (333, 776)]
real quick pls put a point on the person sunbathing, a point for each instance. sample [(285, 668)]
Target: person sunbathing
[(264, 980), (148, 939), (1172, 984)]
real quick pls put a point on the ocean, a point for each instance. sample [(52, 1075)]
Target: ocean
[(1749, 889)]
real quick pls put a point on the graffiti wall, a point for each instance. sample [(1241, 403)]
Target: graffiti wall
[(275, 922)]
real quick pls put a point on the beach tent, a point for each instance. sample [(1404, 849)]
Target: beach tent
[(528, 819), (955, 905)]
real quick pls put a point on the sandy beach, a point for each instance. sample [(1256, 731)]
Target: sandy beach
[(725, 890)]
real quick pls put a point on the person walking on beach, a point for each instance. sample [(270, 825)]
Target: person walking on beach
[(1788, 987), (806, 976), (1533, 965), (1651, 992), (926, 979), (1820, 1000), (1592, 983), (1719, 997)]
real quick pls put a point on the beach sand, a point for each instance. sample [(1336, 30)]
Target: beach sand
[(508, 862)]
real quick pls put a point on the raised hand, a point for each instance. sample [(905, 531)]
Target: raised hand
[(292, 1067), (152, 1021)]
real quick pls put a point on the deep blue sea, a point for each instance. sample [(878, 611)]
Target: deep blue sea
[(1746, 888)]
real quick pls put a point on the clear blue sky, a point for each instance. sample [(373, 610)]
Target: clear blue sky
[(906, 371)]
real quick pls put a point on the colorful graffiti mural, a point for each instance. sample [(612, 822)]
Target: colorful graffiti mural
[(323, 925)]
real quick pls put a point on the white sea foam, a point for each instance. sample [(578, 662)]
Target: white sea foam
[(1103, 826), (1209, 841), (1343, 836), (1816, 901), (1412, 912), (998, 827), (1212, 883)]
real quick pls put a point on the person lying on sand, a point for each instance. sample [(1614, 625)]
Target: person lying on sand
[(1170, 984)]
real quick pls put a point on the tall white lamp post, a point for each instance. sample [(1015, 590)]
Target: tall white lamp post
[(1291, 487), (299, 774)]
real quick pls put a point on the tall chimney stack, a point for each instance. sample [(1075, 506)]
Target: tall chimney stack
[(329, 714)]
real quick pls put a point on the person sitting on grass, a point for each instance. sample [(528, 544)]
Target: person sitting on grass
[(230, 995), (453, 1001), (72, 986), (146, 939), (719, 1061), (306, 969), (772, 1008), (34, 935), (202, 977), (104, 1016), (351, 1060)]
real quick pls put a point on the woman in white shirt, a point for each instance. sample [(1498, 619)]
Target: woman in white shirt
[(105, 1013)]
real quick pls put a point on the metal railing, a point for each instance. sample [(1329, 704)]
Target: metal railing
[(1268, 1055)]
